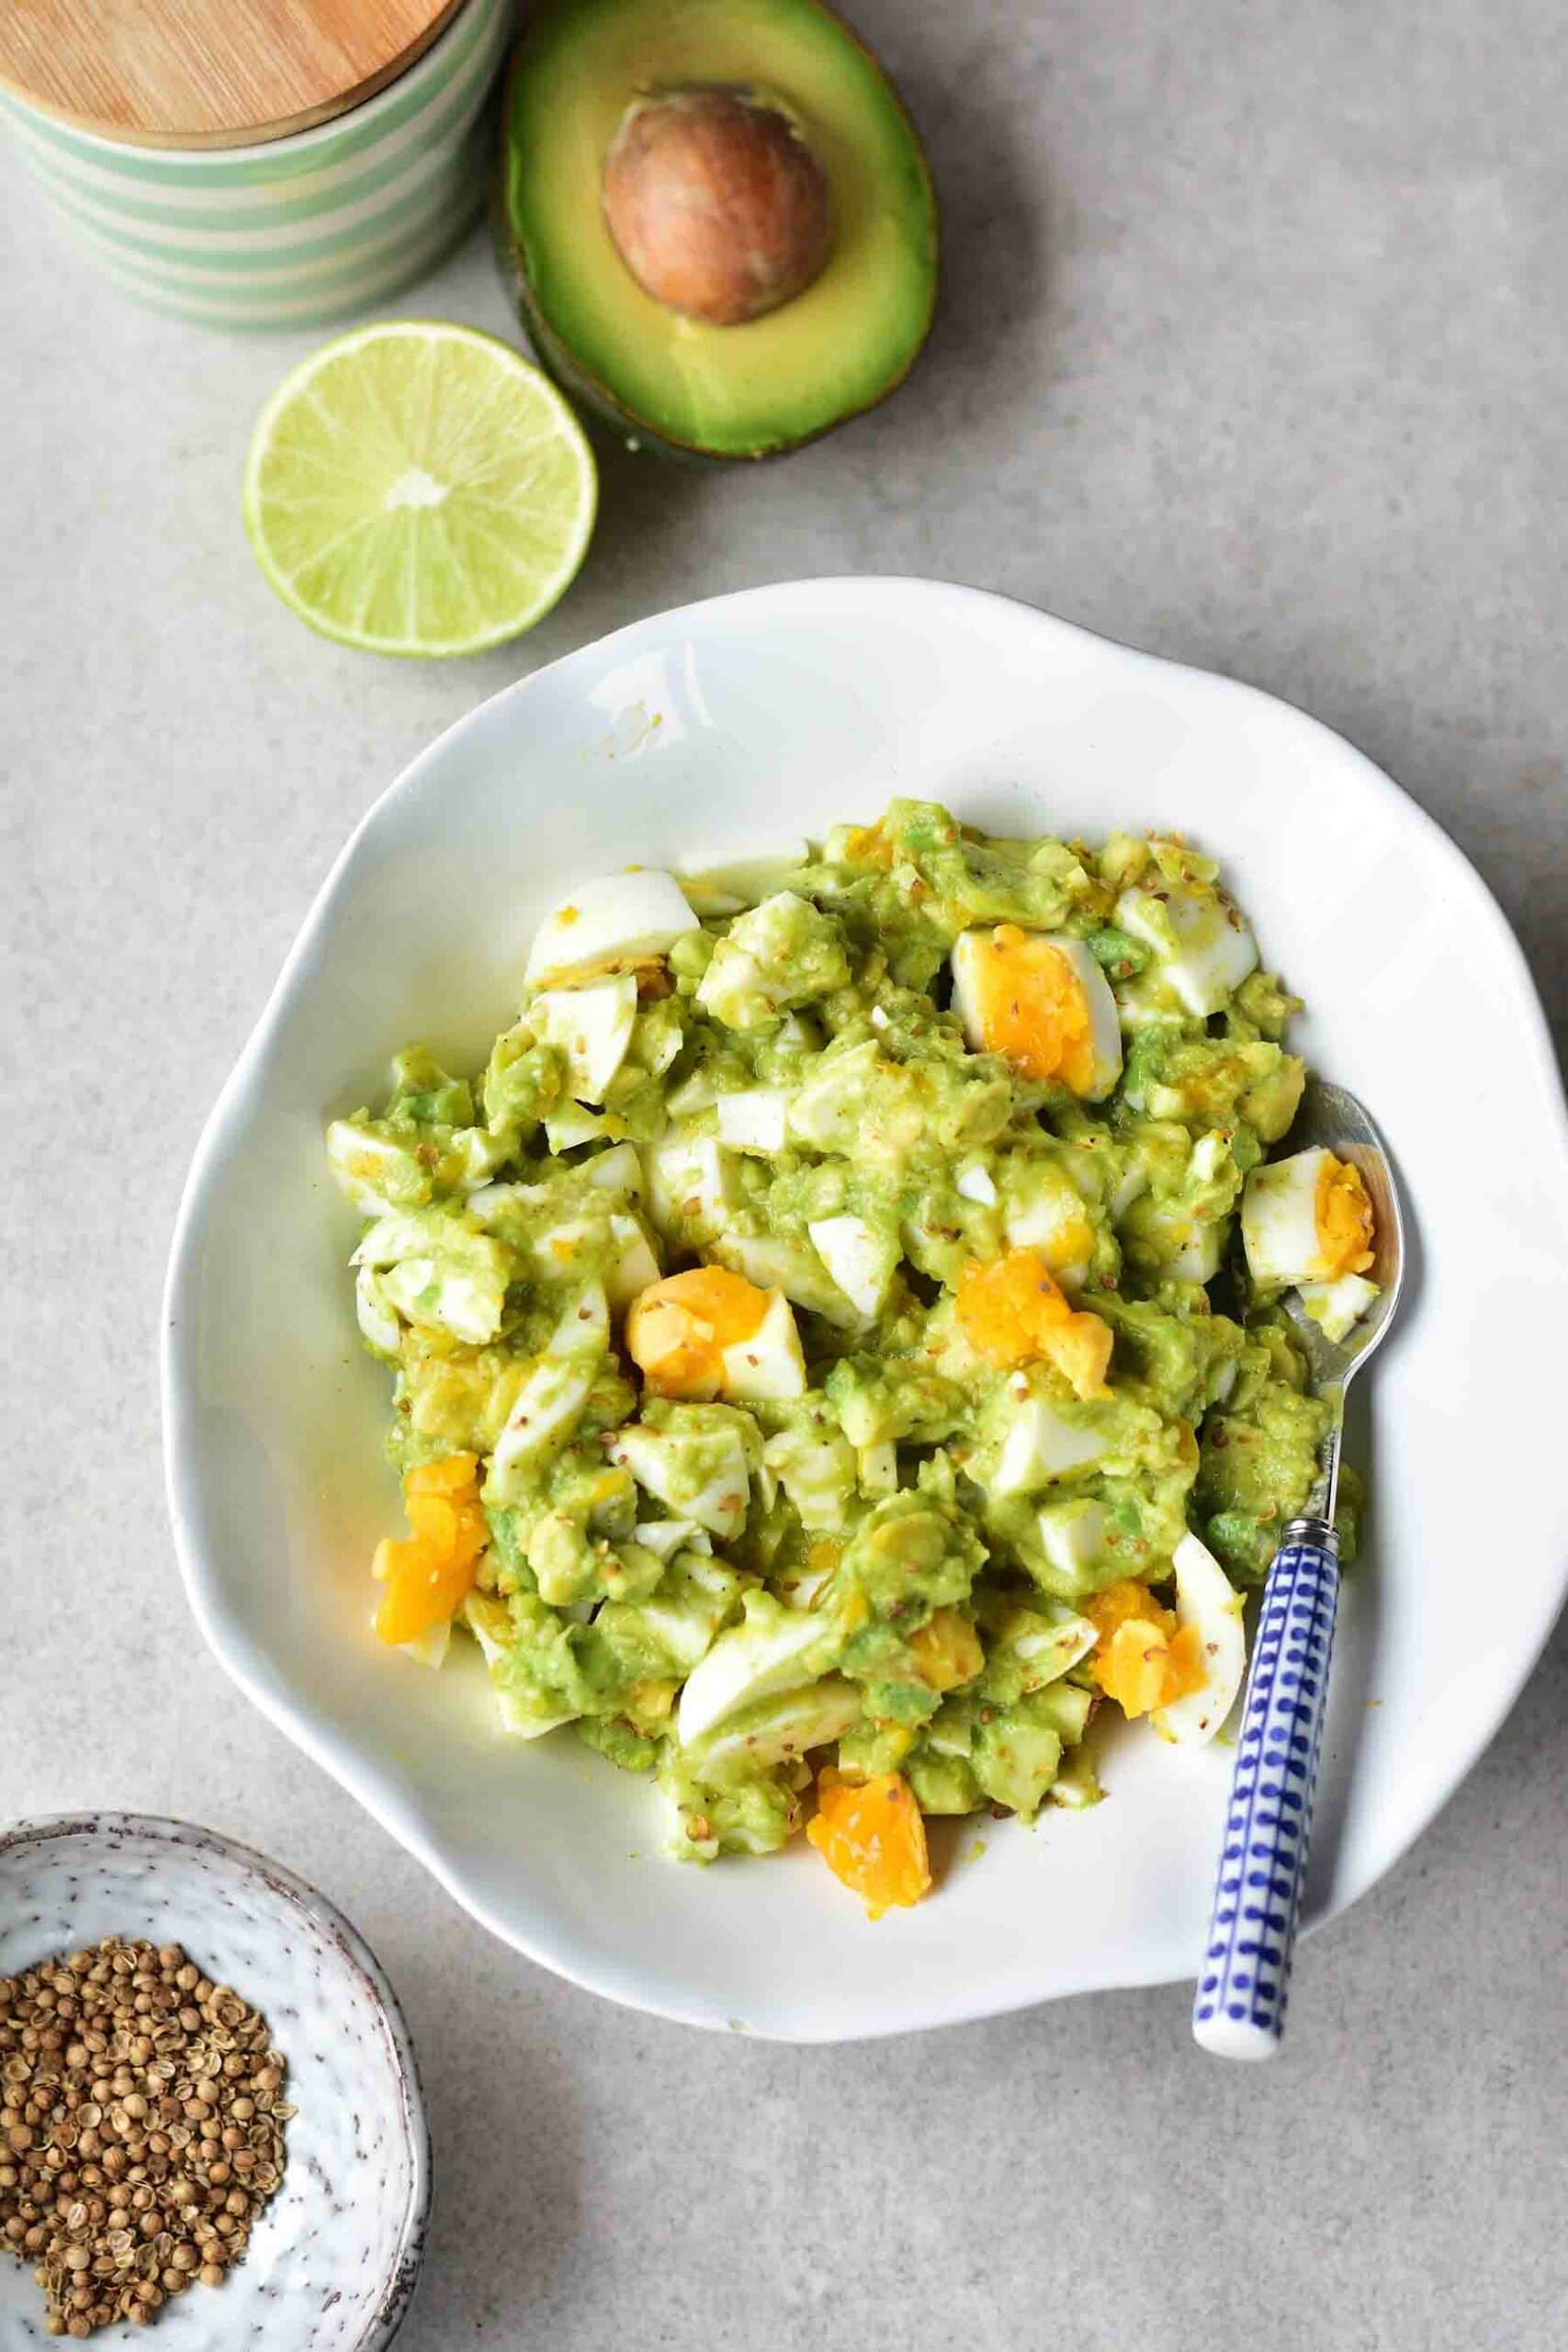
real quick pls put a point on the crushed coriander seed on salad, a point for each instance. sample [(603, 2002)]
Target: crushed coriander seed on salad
[(805, 1380)]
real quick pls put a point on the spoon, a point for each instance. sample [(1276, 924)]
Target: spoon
[(1239, 2010)]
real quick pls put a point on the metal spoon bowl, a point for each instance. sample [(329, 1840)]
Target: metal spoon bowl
[(1330, 1115)]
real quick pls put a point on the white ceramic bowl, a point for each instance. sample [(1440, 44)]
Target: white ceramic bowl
[(332, 2260), (734, 725)]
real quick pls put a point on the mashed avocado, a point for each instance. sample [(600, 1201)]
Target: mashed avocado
[(821, 1295)]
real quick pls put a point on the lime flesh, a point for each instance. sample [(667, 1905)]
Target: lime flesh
[(420, 489)]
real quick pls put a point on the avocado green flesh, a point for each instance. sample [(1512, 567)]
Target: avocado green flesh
[(734, 391), (892, 1554)]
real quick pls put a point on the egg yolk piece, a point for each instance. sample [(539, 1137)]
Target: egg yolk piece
[(678, 1329), (1343, 1213), (868, 845), (1012, 1312), (425, 1579), (872, 1834), (1143, 1659), (1029, 1005), (947, 1651)]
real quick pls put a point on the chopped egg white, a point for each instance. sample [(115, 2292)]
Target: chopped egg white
[(358, 1158), (621, 919), (571, 1124), (375, 1316), (757, 1119), (493, 1202), (1072, 1537), (767, 1366), (631, 1268), (665, 1537), (768, 1732), (1205, 1598), (876, 1467), (709, 1332), (738, 883), (548, 1406), (861, 1260), (816, 1472), (428, 1293), (1044, 1211), (773, 1649), (429, 1648), (635, 1263), (774, 956), (438, 1272), (1040, 1445), (1338, 1306), (661, 1462), (593, 1027), (1046, 1642), (1203, 949), (691, 1186), (616, 1170)]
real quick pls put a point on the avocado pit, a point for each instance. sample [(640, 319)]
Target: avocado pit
[(716, 202), (791, 326)]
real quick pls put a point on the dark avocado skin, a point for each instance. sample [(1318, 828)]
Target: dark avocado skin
[(596, 398)]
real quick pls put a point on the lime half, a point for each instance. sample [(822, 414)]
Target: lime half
[(415, 488)]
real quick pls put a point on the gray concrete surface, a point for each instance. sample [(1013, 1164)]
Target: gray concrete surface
[(1255, 351)]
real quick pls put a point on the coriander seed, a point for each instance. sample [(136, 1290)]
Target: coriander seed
[(140, 2133)]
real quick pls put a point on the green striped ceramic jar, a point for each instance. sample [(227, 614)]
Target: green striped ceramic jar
[(300, 229)]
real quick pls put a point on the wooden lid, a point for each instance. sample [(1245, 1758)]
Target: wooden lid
[(209, 73)]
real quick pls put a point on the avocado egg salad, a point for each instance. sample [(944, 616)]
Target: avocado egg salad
[(805, 1380)]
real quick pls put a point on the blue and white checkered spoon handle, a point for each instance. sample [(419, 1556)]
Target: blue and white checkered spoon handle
[(1239, 2011)]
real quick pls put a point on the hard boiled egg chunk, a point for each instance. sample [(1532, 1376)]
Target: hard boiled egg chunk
[(622, 919), (1336, 1307), (1041, 1444), (1043, 1211), (756, 1119), (702, 1475), (1181, 1668), (1306, 1219), (861, 1262), (425, 1579), (709, 1333), (593, 1026), (1207, 1603), (872, 1834), (1202, 950), (1012, 1312), (1043, 1003), (550, 1402), (773, 1649)]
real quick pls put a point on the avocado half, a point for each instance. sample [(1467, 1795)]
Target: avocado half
[(753, 391)]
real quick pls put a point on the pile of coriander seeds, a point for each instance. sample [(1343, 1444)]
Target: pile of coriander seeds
[(142, 2115)]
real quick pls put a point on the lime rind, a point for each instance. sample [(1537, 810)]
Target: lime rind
[(417, 488)]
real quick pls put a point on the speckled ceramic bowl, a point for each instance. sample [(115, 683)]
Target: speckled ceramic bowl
[(334, 2259)]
